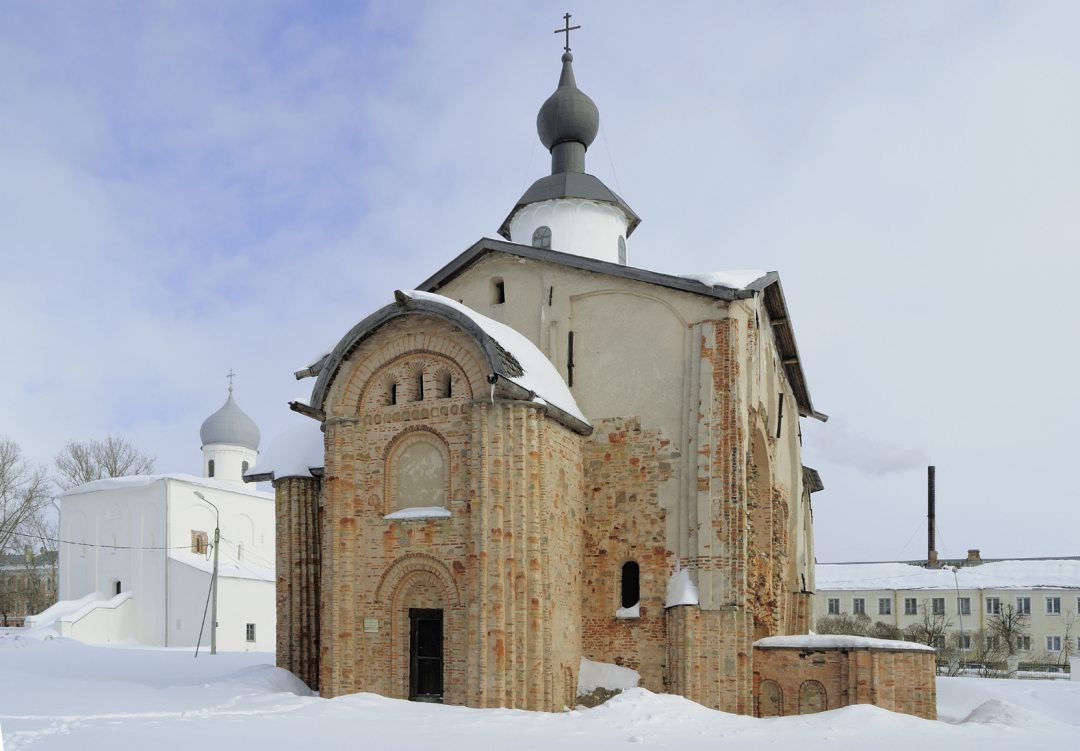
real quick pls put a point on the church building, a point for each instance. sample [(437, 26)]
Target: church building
[(545, 454)]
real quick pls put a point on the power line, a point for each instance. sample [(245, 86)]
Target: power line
[(58, 541)]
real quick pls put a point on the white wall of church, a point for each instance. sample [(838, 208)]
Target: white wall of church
[(578, 226), (138, 532), (116, 537)]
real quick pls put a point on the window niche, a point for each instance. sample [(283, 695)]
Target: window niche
[(417, 472), (498, 291), (444, 385), (418, 385)]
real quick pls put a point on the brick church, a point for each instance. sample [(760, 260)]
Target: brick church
[(543, 454)]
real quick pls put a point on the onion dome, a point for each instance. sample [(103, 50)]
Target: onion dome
[(568, 117), (229, 425)]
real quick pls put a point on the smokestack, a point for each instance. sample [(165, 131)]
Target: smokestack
[(931, 518)]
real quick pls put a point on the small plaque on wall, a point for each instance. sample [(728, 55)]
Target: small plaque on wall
[(371, 625)]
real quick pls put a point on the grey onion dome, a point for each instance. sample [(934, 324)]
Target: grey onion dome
[(231, 426), (568, 114)]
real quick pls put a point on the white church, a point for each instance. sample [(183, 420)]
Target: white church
[(136, 553)]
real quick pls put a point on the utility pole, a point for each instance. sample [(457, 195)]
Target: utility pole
[(213, 578)]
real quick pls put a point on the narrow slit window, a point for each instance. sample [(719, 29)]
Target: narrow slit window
[(779, 415), (631, 584), (418, 377), (498, 291), (622, 250), (210, 468), (392, 398), (570, 359)]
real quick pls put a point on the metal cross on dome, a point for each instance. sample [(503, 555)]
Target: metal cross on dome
[(230, 375), (567, 28)]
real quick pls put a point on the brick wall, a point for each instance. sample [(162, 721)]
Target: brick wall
[(790, 681)]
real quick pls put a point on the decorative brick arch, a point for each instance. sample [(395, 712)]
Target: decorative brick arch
[(409, 565), (419, 580), (770, 700), (406, 371), (812, 697)]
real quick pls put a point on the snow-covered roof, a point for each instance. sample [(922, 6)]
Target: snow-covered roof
[(136, 481), (518, 368), (294, 453), (226, 569), (1008, 574), (735, 279), (539, 376), (838, 641)]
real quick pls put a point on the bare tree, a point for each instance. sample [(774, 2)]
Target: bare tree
[(24, 496), (1008, 625), (85, 461), (931, 629)]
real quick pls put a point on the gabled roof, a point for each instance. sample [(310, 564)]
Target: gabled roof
[(517, 369), (768, 286)]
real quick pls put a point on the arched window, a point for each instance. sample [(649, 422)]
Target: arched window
[(770, 699), (498, 291), (391, 397), (445, 385), (631, 586), (210, 468), (622, 250), (542, 237)]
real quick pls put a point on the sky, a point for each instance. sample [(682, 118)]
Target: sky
[(192, 187)]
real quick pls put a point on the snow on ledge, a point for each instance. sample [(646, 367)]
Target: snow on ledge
[(421, 512), (594, 675), (736, 279), (839, 641), (680, 590), (634, 611)]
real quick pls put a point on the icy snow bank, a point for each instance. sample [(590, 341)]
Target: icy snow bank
[(420, 512), (594, 675)]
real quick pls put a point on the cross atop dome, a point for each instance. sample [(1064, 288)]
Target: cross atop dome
[(566, 30)]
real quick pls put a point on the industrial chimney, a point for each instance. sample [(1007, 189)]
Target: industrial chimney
[(931, 518)]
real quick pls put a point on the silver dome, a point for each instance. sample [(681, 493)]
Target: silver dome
[(231, 426)]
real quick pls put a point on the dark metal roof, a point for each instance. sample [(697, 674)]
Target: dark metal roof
[(502, 363), (768, 285), (812, 480), (571, 185)]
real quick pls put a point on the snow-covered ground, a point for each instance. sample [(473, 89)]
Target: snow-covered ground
[(60, 694)]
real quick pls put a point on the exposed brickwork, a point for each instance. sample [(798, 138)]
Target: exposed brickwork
[(897, 680), (298, 590), (624, 466)]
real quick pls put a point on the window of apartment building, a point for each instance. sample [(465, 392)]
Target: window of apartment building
[(858, 606), (939, 641), (1023, 643), (937, 605), (251, 632), (993, 605), (911, 606), (834, 606), (963, 606), (1053, 644), (1053, 606), (884, 606), (992, 642), (1023, 606), (964, 641)]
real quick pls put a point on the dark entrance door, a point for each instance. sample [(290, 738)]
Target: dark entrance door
[(425, 654)]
